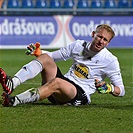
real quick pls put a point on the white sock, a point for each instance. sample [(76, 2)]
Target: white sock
[(28, 96), (28, 71), (16, 82)]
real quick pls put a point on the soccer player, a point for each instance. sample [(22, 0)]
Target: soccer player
[(92, 63)]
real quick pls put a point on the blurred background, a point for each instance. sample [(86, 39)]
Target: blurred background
[(56, 23)]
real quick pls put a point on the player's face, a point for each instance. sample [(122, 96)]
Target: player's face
[(100, 40)]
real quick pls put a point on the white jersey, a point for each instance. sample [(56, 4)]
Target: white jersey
[(85, 69)]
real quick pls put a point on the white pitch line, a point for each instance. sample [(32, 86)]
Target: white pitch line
[(35, 83), (128, 86)]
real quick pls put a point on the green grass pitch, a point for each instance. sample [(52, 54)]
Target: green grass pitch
[(106, 114)]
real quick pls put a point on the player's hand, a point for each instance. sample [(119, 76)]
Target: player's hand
[(33, 49), (102, 87)]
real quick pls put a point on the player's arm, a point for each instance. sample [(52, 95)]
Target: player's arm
[(57, 55), (116, 87), (104, 88), (116, 91), (35, 50)]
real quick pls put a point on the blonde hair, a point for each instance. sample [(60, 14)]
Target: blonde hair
[(106, 27)]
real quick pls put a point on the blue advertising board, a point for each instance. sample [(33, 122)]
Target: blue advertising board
[(58, 31), (82, 27)]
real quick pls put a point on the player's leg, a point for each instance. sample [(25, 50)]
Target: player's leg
[(6, 81), (28, 96), (62, 90), (49, 68), (43, 63)]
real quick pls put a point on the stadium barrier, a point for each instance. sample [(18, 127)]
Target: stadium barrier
[(59, 30)]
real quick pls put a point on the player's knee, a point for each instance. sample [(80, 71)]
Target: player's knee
[(58, 80), (46, 60), (56, 83), (42, 58)]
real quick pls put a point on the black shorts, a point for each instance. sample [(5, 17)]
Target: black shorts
[(79, 99)]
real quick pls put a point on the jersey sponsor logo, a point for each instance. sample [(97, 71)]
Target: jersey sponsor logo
[(81, 71)]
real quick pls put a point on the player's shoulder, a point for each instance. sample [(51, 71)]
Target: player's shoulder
[(81, 43), (77, 44), (108, 55)]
